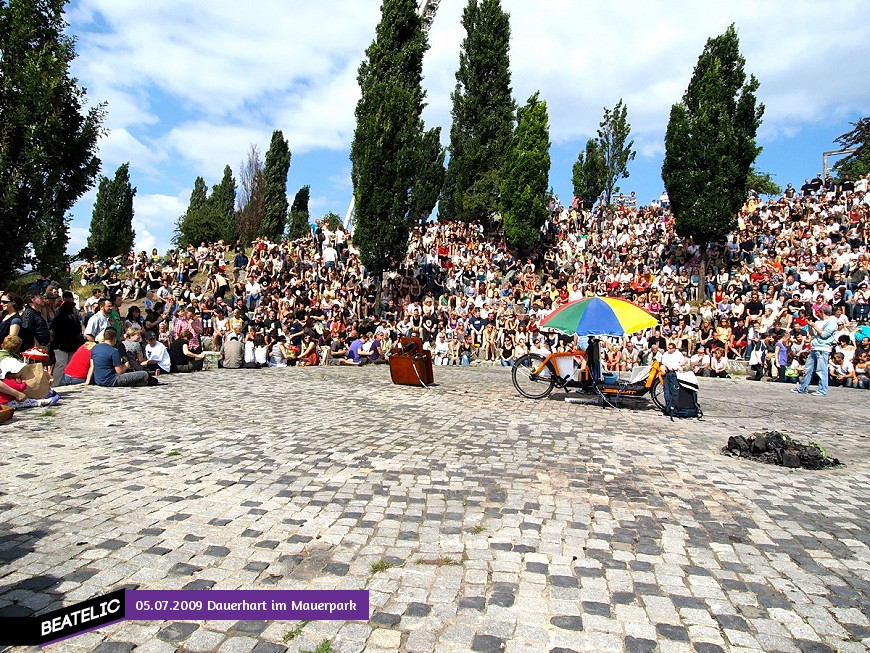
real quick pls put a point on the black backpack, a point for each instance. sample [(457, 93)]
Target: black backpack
[(681, 398)]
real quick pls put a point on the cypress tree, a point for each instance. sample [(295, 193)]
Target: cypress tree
[(222, 206), (196, 225), (112, 231), (387, 149), (431, 176), (710, 145), (483, 115), (275, 170), (526, 176), (299, 215), (589, 173)]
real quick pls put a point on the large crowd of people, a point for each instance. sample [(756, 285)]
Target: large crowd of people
[(471, 299)]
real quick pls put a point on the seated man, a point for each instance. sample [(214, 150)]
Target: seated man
[(233, 351), (376, 353), (699, 363), (673, 359), (107, 370), (156, 355), (354, 352)]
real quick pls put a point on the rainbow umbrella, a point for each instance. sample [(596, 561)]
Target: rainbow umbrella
[(599, 316)]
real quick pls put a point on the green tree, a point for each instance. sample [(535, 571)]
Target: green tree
[(613, 133), (386, 153), (112, 231), (299, 215), (762, 183), (483, 115), (332, 220), (526, 176), (430, 179), (199, 222), (48, 141), (222, 204), (858, 162), (710, 145), (275, 171), (589, 173)]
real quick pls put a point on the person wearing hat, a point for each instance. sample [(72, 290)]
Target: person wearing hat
[(862, 302), (34, 327), (156, 355)]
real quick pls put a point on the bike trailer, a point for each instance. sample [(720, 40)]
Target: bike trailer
[(681, 395)]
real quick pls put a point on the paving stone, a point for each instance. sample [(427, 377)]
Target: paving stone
[(638, 645), (567, 622), (177, 631), (487, 644), (585, 513), (418, 610), (115, 647)]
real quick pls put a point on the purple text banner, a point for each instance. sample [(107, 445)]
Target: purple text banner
[(252, 605)]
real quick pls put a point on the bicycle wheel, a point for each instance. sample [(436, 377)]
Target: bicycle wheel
[(529, 384), (657, 392)]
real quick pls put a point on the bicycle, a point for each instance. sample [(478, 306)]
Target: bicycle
[(535, 376)]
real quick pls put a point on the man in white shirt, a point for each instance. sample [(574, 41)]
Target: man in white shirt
[(699, 363), (673, 359), (156, 354)]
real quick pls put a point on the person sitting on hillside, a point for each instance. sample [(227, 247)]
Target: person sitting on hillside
[(181, 357)]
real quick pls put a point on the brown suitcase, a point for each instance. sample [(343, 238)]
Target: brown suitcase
[(410, 364)]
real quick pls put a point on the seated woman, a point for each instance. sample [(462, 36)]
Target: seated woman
[(12, 388), (278, 351), (719, 364), (183, 360), (78, 370), (307, 351)]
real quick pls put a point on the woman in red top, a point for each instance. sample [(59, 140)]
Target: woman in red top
[(76, 371)]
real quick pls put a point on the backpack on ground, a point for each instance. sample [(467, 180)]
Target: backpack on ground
[(681, 396)]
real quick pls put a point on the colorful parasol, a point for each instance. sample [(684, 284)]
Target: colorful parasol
[(599, 316)]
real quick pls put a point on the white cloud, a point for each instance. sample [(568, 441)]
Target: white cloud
[(78, 239), (191, 85)]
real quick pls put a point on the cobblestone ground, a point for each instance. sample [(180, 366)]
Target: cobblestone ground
[(507, 524)]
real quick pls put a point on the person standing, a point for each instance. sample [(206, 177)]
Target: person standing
[(825, 330), (66, 330)]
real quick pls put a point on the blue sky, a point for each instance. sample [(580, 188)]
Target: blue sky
[(191, 85)]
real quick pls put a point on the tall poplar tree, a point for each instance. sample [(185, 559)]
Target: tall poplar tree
[(222, 203), (112, 231), (299, 215), (196, 225), (613, 132), (387, 153), (589, 174), (275, 170), (483, 115), (710, 145), (48, 141), (525, 180)]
